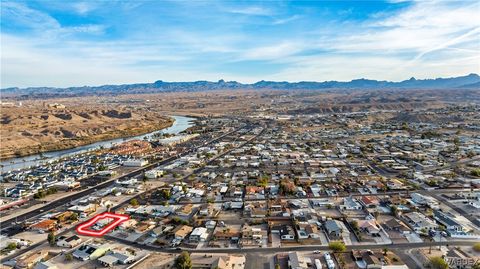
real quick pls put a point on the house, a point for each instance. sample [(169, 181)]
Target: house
[(372, 261), (130, 223), (233, 205), (69, 242), (90, 252), (162, 229), (185, 211), (306, 230), (451, 224), (154, 173), (252, 190), (322, 203), (83, 209), (135, 163), (182, 231), (475, 204), (278, 208), (44, 225), (296, 260), (423, 200), (350, 203), (419, 222), (144, 226), (63, 216), (334, 228), (198, 234), (369, 226), (256, 209), (112, 258), (210, 224), (206, 210), (285, 231), (249, 232), (394, 224), (45, 265), (231, 232), (220, 261), (370, 201)]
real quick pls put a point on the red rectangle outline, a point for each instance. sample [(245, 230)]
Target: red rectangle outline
[(82, 228)]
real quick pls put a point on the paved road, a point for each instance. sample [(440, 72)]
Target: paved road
[(293, 248), (353, 194), (462, 212), (63, 201), (436, 193), (463, 161), (10, 228)]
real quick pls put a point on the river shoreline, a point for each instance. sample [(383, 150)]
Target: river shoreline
[(73, 143), (177, 125)]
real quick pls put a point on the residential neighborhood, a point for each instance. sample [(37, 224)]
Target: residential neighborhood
[(283, 192)]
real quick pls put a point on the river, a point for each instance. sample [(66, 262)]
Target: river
[(181, 123)]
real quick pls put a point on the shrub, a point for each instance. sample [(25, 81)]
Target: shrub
[(476, 247), (337, 246), (438, 263)]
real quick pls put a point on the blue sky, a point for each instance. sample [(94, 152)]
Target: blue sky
[(75, 43)]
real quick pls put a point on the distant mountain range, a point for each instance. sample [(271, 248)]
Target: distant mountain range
[(469, 81)]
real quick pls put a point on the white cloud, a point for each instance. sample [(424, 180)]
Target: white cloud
[(273, 52), (286, 20), (19, 13), (424, 40), (42, 23), (251, 11), (83, 8)]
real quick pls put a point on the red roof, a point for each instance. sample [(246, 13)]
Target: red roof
[(370, 200), (45, 225)]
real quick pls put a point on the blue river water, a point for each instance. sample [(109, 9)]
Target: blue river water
[(181, 124)]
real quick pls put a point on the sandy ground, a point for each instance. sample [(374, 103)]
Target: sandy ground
[(38, 128), (157, 261)]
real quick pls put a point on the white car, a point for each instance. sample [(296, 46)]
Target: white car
[(327, 256)]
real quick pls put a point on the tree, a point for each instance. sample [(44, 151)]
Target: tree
[(394, 210), (354, 225), (337, 246), (263, 181), (385, 251), (134, 202), (165, 194), (11, 246), (476, 247), (277, 266), (51, 238), (183, 261), (73, 217), (438, 263), (69, 257), (475, 172)]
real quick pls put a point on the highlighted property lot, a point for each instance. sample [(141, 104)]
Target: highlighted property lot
[(92, 227)]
